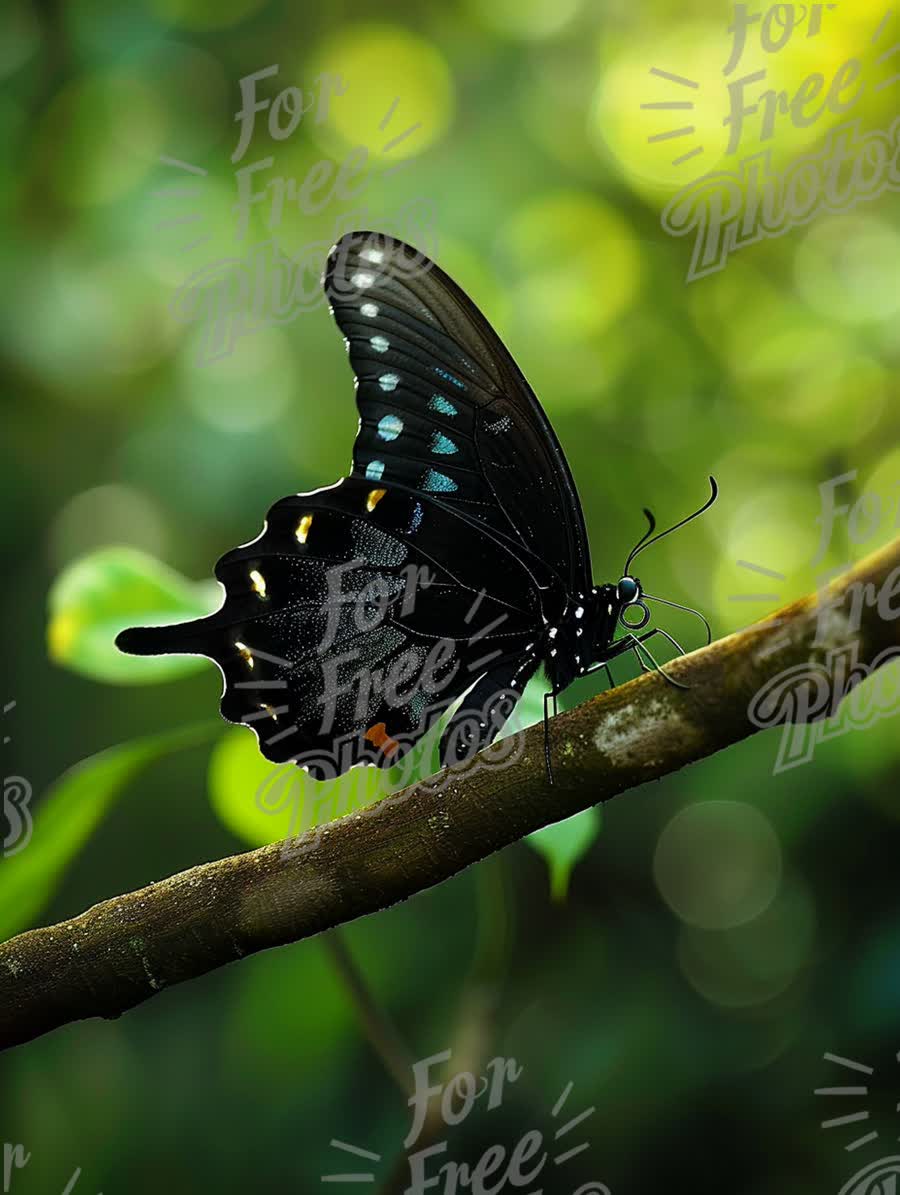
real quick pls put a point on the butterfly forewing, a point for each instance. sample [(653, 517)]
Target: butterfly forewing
[(443, 407)]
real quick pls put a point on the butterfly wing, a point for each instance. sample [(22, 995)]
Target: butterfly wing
[(445, 410), (364, 610), (347, 630)]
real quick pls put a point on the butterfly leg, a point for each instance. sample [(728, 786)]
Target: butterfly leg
[(548, 762), (596, 668), (640, 646), (636, 644), (660, 631)]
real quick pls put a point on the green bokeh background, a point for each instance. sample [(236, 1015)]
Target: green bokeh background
[(729, 926)]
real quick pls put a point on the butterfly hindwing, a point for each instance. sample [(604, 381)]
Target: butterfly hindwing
[(340, 639)]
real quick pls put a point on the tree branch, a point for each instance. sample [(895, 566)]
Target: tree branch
[(125, 950)]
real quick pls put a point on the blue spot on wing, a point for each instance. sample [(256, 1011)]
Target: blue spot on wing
[(374, 470), (415, 521), (438, 483), (443, 406), (448, 377), (442, 444)]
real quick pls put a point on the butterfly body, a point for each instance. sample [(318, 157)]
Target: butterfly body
[(448, 565), (582, 637)]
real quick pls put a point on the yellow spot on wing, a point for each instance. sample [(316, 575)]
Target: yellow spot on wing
[(303, 528), (259, 582), (270, 711), (245, 652), (373, 498)]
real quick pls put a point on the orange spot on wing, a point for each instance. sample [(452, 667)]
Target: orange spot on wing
[(378, 736)]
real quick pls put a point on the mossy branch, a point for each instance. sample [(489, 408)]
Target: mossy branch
[(125, 950)]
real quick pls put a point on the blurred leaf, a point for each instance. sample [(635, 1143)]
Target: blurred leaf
[(263, 802), (113, 588), (563, 844), (68, 815)]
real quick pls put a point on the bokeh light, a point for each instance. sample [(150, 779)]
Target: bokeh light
[(843, 269), (121, 116), (381, 64), (106, 514), (246, 388), (718, 864), (527, 19), (80, 316), (577, 261), (623, 128), (756, 961)]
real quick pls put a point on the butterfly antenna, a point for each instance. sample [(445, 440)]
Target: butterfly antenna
[(689, 609), (648, 514), (645, 543)]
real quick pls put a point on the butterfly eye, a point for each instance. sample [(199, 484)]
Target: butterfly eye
[(627, 590)]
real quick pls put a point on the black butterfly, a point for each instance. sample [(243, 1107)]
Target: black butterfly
[(453, 558)]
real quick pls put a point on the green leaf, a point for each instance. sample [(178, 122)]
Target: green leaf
[(263, 802), (563, 844), (68, 815), (113, 588)]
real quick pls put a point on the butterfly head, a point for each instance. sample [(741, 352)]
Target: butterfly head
[(632, 611)]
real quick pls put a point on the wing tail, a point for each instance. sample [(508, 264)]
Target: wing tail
[(182, 638)]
